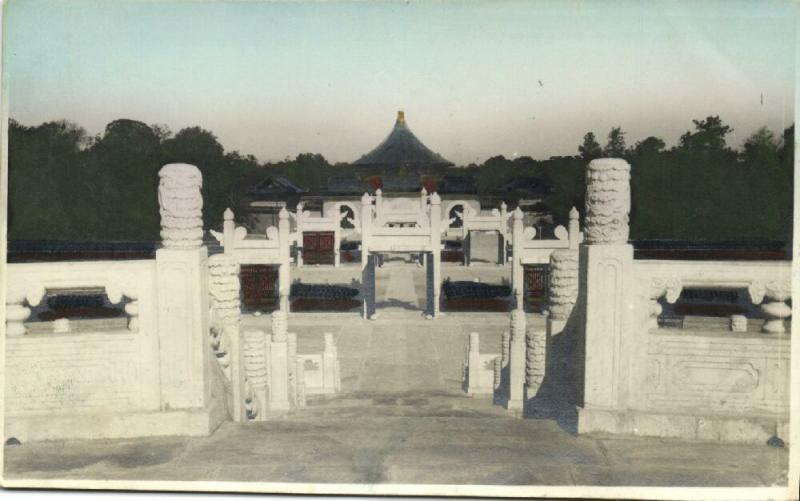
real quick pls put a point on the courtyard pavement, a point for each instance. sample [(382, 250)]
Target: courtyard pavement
[(413, 437)]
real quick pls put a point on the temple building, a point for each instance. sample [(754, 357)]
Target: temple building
[(401, 165), (402, 150)]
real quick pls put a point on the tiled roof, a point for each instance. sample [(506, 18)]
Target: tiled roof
[(402, 148)]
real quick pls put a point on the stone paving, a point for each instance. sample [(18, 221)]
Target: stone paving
[(402, 417), (401, 438)]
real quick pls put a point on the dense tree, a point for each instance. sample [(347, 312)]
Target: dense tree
[(761, 148), (649, 146), (615, 147), (65, 184), (708, 136), (590, 149)]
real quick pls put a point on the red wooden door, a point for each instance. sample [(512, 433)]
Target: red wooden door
[(326, 241), (310, 241), (318, 247)]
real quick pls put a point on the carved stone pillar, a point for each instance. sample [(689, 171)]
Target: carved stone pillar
[(255, 368), (182, 290), (535, 363), (516, 366), (181, 206), (291, 350), (614, 357), (367, 264), (279, 362), (498, 376), (517, 275), (563, 290), (608, 201), (284, 280), (224, 290), (436, 246)]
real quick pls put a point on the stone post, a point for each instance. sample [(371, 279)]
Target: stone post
[(502, 244), (423, 199), (284, 280), (224, 290), (182, 290), (436, 250), (613, 354), (516, 365), (299, 382), (574, 229), (279, 362), (563, 290), (379, 202), (291, 349), (473, 362), (367, 265), (517, 276), (329, 358), (299, 242), (228, 230), (337, 243)]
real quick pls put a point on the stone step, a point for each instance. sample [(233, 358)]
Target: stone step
[(405, 404)]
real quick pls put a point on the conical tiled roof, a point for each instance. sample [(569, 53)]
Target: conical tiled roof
[(402, 148)]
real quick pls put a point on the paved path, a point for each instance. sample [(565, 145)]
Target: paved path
[(401, 350), (416, 438)]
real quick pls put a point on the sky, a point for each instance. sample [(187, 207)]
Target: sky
[(475, 79)]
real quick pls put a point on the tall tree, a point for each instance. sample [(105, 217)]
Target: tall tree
[(615, 147), (761, 148), (708, 136), (649, 146), (590, 149)]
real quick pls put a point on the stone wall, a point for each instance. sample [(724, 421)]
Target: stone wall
[(690, 383)]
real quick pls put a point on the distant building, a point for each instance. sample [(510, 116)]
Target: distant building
[(402, 149), (401, 165)]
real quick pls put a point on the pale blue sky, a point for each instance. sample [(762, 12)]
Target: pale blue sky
[(277, 79)]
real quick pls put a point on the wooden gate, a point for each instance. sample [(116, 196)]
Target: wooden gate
[(537, 280), (259, 286), (318, 247)]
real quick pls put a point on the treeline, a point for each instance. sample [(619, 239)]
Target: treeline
[(65, 184)]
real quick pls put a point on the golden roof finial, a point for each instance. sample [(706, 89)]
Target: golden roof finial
[(401, 117)]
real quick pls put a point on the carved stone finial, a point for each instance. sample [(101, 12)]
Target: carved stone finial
[(435, 199), (423, 191), (283, 214), (366, 199), (608, 201), (518, 213), (378, 192), (181, 206), (573, 213), (228, 214), (503, 206)]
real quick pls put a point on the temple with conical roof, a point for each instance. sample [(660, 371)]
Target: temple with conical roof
[(402, 149)]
